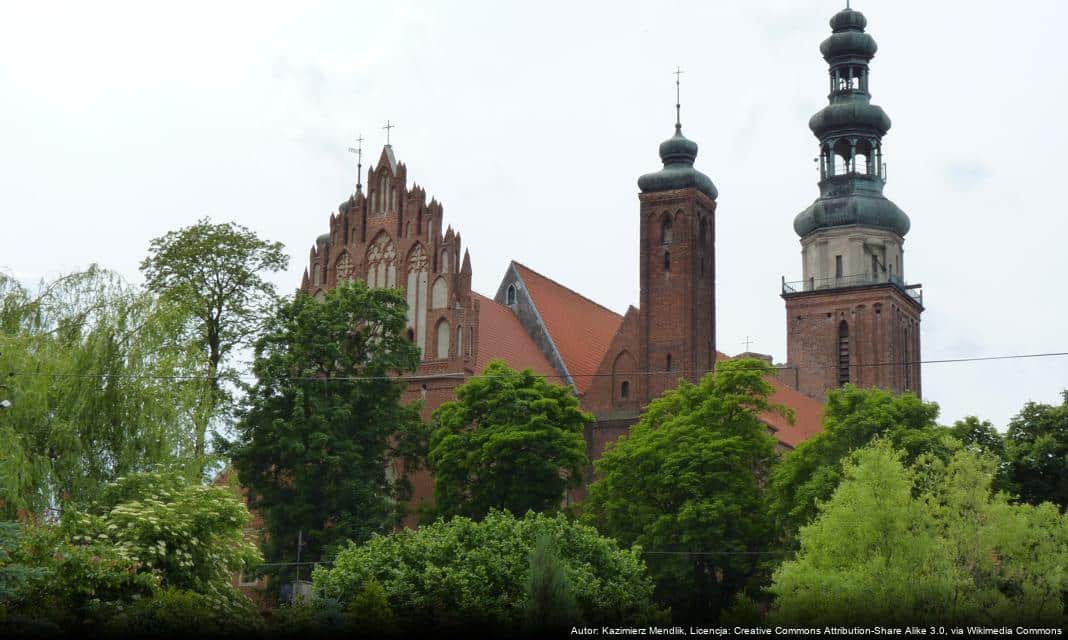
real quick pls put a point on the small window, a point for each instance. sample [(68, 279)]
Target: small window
[(624, 390), (666, 234), (411, 335), (667, 363), (667, 261), (843, 353), (510, 295), (874, 266), (838, 266)]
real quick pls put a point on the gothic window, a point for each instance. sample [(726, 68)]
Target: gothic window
[(667, 261), (843, 353), (417, 293), (317, 275), (666, 234), (439, 296), (443, 339), (509, 297), (460, 340), (624, 390), (344, 267), (382, 263), (445, 261)]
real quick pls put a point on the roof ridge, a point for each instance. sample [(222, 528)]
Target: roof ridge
[(565, 287)]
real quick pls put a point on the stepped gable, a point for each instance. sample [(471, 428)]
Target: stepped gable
[(580, 328), (500, 335)]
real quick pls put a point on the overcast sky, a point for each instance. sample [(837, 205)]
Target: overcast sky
[(531, 122)]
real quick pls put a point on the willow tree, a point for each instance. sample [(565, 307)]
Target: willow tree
[(97, 379)]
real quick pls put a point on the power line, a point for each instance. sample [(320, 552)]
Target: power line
[(462, 377)]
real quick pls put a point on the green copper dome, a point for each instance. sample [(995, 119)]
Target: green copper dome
[(678, 154), (850, 115), (851, 204), (848, 20), (323, 239)]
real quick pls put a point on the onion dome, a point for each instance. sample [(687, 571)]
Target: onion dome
[(850, 115), (866, 210), (678, 154), (323, 239)]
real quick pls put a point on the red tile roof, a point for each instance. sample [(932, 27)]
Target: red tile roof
[(580, 328), (501, 336), (808, 413)]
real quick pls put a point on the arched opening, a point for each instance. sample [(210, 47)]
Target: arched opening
[(460, 340), (416, 293), (439, 295), (666, 232), (411, 335), (843, 353), (317, 275), (443, 332), (510, 296), (624, 390)]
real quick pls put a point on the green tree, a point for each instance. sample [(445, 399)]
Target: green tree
[(97, 388), (853, 417), (325, 420), (688, 478), (473, 575), (215, 273), (1037, 450), (550, 605), (929, 544), (510, 440)]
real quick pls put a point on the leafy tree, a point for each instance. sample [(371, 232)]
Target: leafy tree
[(215, 273), (369, 612), (324, 420), (462, 573), (853, 417), (930, 544), (510, 440), (550, 605), (97, 388), (1037, 449), (688, 478)]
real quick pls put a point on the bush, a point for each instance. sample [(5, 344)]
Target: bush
[(474, 574)]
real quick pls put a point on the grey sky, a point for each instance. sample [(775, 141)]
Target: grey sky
[(531, 123)]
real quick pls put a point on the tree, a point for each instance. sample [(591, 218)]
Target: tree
[(927, 544), (550, 605), (215, 273), (98, 388), (1037, 449), (510, 440), (688, 478), (853, 417), (324, 420), (473, 575)]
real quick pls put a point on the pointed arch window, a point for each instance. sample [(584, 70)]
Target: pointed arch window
[(510, 296), (382, 263), (443, 339), (666, 232), (843, 353), (416, 293), (624, 389), (344, 267), (460, 340)]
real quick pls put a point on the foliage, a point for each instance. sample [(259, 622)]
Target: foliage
[(215, 273), (181, 612), (324, 420), (369, 612), (462, 573), (980, 437), (1037, 449), (853, 417), (97, 389), (189, 535), (895, 545), (550, 605), (318, 617), (688, 478), (510, 441)]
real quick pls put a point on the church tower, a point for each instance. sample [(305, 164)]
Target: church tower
[(677, 314), (852, 319)]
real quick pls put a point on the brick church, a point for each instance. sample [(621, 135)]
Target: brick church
[(852, 318)]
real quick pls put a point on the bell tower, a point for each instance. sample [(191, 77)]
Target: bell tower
[(852, 318), (677, 314)]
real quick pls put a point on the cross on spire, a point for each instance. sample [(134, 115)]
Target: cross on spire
[(748, 343), (388, 126), (359, 160), (678, 107)]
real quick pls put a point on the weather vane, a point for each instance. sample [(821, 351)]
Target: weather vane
[(359, 160)]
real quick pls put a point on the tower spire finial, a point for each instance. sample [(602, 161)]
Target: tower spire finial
[(678, 106), (359, 161), (388, 126)]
